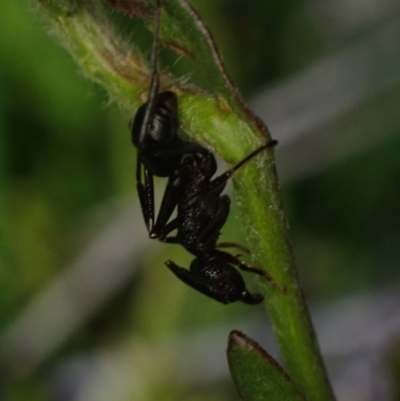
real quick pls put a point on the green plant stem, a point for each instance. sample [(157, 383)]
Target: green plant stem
[(267, 231), (222, 122)]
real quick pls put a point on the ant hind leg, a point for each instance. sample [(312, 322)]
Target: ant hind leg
[(245, 267), (233, 245)]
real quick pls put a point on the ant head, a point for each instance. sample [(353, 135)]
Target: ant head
[(162, 122)]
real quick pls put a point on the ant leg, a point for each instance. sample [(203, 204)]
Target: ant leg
[(211, 230), (239, 263), (245, 267), (171, 226), (220, 181), (168, 204), (146, 194), (233, 245)]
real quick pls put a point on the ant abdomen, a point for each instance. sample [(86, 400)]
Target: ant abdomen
[(217, 279)]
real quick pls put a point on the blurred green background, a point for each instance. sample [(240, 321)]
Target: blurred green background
[(67, 180)]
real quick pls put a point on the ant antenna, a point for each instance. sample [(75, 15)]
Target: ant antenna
[(155, 81)]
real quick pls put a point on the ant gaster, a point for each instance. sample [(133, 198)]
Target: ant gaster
[(201, 209)]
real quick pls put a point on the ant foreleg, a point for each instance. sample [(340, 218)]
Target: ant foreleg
[(168, 204), (171, 226), (146, 194)]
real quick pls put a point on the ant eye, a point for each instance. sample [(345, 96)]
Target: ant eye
[(162, 128)]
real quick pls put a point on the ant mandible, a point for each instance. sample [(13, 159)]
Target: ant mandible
[(201, 209)]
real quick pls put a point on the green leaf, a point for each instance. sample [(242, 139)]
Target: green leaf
[(257, 376)]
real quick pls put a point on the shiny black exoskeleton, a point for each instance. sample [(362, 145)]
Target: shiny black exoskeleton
[(202, 212)]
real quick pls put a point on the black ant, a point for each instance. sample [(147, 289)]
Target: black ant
[(202, 212), (201, 209), (159, 148)]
